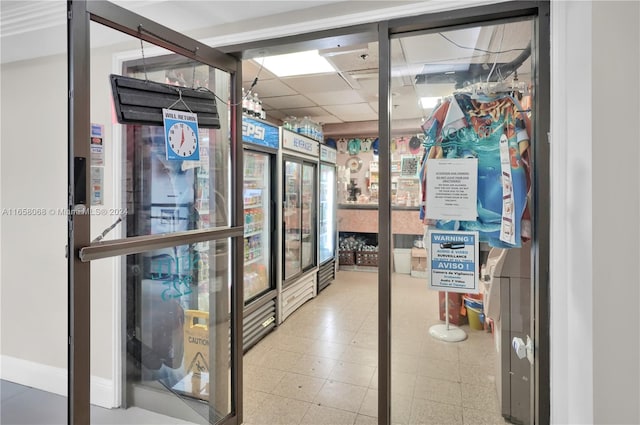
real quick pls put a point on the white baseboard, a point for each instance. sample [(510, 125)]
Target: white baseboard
[(102, 393), (54, 380)]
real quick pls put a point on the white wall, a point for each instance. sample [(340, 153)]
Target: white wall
[(34, 268), (595, 352), (616, 212), (33, 175)]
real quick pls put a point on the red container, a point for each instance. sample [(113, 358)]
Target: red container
[(457, 312)]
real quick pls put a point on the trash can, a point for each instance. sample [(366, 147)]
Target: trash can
[(402, 260), (474, 313)]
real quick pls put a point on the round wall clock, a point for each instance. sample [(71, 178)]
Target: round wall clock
[(354, 164), (182, 140)]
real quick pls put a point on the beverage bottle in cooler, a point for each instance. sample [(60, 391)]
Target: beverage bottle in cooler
[(298, 127), (257, 106), (311, 129), (251, 106), (262, 275), (290, 123), (304, 126), (316, 130), (259, 169)]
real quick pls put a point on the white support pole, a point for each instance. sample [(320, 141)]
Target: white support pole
[(447, 332)]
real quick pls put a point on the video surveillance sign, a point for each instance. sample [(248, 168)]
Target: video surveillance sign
[(454, 261)]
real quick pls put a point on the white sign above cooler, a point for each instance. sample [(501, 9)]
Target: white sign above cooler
[(299, 143), (328, 154)]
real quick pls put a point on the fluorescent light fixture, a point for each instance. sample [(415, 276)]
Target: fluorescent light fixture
[(301, 63), (429, 102)]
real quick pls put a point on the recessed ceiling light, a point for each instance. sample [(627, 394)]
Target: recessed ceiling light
[(301, 63)]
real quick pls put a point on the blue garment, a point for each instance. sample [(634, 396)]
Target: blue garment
[(462, 127)]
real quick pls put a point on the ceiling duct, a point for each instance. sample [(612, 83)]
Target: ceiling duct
[(475, 72)]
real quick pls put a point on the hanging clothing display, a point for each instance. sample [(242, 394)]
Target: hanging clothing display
[(402, 145), (366, 144), (495, 130), (354, 146), (342, 145)]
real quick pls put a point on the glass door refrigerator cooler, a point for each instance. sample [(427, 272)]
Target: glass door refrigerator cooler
[(299, 221), (328, 231), (261, 142)]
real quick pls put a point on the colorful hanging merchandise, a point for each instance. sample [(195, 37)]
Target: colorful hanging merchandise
[(414, 145), (375, 146), (366, 144), (402, 145), (495, 130), (354, 146), (342, 145)]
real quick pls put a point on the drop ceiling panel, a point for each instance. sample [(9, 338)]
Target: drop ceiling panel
[(327, 119), (407, 111), (362, 59), (276, 114), (435, 48), (369, 88), (355, 112), (270, 88), (251, 68), (401, 92), (335, 97), (471, 45), (282, 102), (316, 83), (311, 112), (406, 71)]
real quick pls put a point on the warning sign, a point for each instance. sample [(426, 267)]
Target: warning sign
[(198, 365), (196, 354), (454, 259)]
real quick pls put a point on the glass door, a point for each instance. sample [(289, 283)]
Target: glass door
[(309, 226), (461, 316), (292, 218), (327, 219), (174, 242), (178, 298), (257, 240)]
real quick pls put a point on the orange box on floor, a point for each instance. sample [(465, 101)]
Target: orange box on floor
[(457, 313)]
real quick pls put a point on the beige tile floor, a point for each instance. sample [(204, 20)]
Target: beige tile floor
[(320, 365)]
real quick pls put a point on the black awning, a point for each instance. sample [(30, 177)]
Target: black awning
[(141, 102)]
